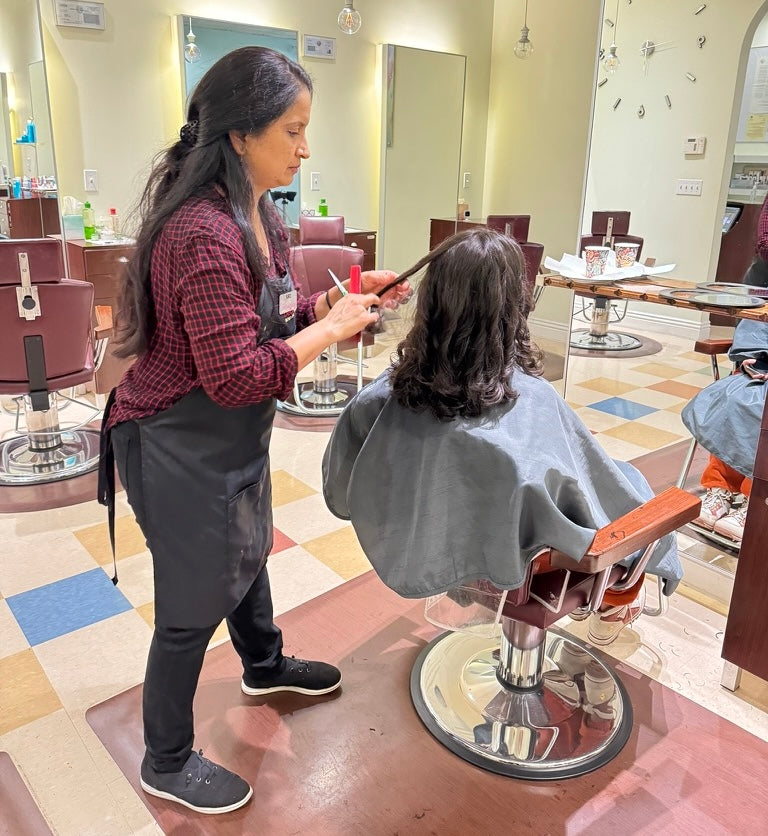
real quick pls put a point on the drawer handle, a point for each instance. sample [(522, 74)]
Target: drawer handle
[(123, 259), (353, 244)]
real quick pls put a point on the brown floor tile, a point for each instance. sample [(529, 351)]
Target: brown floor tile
[(147, 612), (661, 369), (608, 386), (21, 677), (642, 435), (673, 387)]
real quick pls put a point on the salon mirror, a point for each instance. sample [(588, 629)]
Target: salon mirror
[(28, 204)]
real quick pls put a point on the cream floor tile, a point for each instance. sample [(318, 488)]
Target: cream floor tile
[(694, 379), (630, 374), (39, 559), (663, 420), (306, 519), (598, 421), (56, 519), (65, 780), (340, 551), (300, 454), (287, 488), (577, 395), (26, 692), (129, 539), (94, 663), (135, 577), (13, 639), (660, 400), (640, 435), (618, 449), (296, 576)]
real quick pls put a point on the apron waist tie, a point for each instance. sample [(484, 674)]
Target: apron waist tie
[(106, 486)]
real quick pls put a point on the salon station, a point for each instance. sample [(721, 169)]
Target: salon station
[(624, 146)]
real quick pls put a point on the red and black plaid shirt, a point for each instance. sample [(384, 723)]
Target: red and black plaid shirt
[(762, 231), (206, 302)]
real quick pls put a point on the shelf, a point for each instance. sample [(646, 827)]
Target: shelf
[(31, 144)]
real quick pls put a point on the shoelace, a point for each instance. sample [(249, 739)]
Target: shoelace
[(301, 665), (204, 771)]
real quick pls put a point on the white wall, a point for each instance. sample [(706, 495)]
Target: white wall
[(116, 100)]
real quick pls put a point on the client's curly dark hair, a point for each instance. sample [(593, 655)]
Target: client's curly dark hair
[(470, 330)]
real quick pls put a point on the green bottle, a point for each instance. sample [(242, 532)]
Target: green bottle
[(89, 221), (322, 209)]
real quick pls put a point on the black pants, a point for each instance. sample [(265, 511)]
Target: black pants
[(176, 654)]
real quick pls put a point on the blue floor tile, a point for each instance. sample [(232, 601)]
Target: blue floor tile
[(623, 408), (66, 605)]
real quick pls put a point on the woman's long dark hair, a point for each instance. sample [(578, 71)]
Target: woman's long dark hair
[(470, 330), (244, 91)]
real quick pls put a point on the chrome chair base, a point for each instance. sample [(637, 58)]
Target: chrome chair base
[(575, 720), (612, 341), (306, 401), (78, 453)]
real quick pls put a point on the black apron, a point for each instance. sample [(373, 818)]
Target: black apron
[(757, 273), (207, 492)]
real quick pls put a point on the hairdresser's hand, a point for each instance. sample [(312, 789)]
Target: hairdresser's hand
[(374, 281), (350, 315)]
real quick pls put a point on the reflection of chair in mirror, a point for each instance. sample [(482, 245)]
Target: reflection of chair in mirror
[(606, 229), (532, 253), (533, 704), (46, 345), (515, 225), (320, 248)]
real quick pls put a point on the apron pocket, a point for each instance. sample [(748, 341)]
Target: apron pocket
[(249, 525)]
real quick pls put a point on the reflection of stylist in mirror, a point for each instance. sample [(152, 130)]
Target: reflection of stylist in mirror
[(212, 313)]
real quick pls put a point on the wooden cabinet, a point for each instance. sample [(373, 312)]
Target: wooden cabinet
[(102, 266), (29, 217), (363, 238)]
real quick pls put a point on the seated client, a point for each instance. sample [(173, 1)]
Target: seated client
[(460, 461)]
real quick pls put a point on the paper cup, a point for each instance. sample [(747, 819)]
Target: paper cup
[(597, 259), (626, 253)]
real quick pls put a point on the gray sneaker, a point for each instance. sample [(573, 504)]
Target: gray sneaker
[(201, 785)]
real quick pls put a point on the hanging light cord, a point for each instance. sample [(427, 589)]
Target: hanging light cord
[(525, 21)]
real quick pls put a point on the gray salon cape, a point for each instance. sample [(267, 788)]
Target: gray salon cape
[(438, 503), (725, 417)]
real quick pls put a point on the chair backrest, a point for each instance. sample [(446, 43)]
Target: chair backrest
[(515, 225), (532, 253), (63, 329), (321, 229), (44, 255), (617, 220), (310, 264)]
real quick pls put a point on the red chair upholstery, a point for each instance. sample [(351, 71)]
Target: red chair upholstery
[(532, 253), (52, 350), (515, 225), (322, 247)]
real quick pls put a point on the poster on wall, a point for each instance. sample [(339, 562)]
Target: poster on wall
[(753, 119)]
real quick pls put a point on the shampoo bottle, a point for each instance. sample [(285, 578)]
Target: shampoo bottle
[(89, 221)]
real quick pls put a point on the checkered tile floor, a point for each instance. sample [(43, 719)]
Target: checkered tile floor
[(70, 639)]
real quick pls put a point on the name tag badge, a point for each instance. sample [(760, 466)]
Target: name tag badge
[(287, 304)]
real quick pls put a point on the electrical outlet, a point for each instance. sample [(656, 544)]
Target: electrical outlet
[(689, 187), (90, 180), (467, 179), (314, 181)]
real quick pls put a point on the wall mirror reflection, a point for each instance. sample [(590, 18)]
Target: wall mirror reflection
[(28, 186)]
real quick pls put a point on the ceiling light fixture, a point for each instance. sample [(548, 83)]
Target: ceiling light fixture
[(611, 61), (524, 47), (191, 49), (349, 18)]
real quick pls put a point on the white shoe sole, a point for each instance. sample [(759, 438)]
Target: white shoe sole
[(209, 811), (309, 692)]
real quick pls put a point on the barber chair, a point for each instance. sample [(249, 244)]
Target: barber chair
[(320, 248), (606, 229), (532, 253), (511, 695), (46, 345)]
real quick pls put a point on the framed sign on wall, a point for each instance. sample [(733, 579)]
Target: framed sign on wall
[(80, 15)]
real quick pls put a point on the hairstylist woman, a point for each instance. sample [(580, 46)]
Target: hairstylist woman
[(212, 314)]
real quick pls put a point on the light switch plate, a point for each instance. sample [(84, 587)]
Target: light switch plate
[(90, 180), (314, 181), (689, 187)]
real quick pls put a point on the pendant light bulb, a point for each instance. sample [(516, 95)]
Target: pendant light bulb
[(524, 47), (611, 61), (191, 49), (349, 19)]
